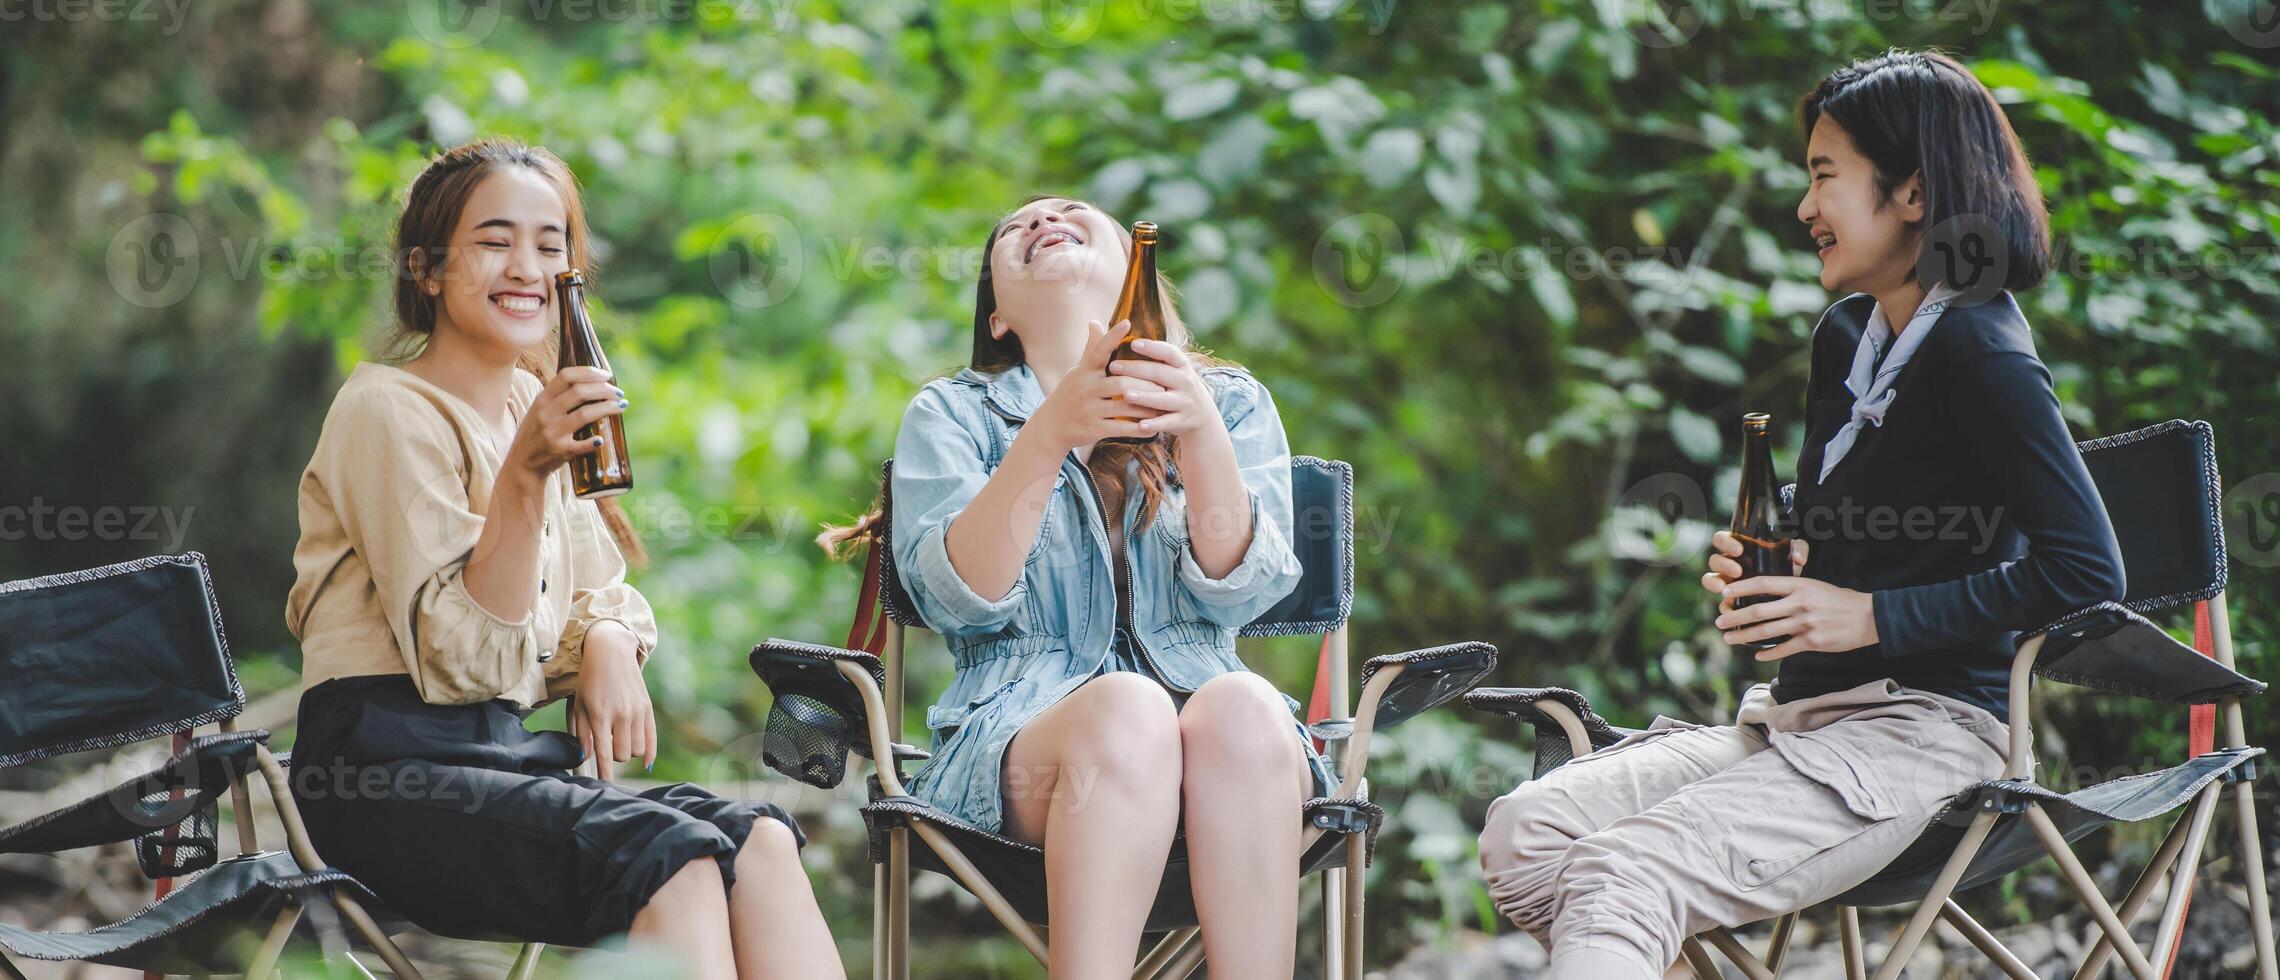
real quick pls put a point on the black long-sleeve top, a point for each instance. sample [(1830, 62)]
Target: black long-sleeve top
[(1968, 514)]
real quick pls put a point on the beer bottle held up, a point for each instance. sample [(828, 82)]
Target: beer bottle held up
[(1141, 302), (608, 470), (1757, 515)]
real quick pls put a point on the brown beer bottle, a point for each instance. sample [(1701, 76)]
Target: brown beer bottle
[(1757, 514), (1141, 301), (607, 471)]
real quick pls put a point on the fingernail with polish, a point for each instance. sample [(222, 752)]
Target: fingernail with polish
[(621, 403)]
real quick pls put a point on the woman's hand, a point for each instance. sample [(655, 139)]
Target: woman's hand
[(1725, 570), (1185, 402), (548, 435), (1090, 404), (1814, 615), (614, 718)]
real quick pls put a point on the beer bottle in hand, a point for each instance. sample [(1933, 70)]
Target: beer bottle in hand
[(1757, 514), (607, 471), (1141, 301)]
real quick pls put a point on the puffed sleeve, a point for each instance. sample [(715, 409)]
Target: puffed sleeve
[(395, 472), (938, 470), (598, 592), (1269, 568)]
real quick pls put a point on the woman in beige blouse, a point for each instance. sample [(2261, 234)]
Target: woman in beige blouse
[(449, 581)]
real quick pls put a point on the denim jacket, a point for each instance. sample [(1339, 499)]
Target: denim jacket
[(1019, 654)]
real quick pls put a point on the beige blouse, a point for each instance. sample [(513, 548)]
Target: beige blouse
[(391, 506)]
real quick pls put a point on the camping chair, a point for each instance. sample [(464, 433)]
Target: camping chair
[(2161, 492), (115, 655), (830, 700)]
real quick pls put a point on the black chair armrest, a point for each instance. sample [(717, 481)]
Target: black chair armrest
[(1554, 746), (148, 804), (1428, 678), (819, 712), (2110, 648)]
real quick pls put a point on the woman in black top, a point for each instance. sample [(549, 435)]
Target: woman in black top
[(1940, 508)]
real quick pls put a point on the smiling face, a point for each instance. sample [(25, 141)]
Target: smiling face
[(1050, 252), (1867, 239), (497, 286)]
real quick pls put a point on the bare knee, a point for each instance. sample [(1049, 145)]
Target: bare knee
[(697, 881), (769, 845), (1126, 730), (1238, 719)]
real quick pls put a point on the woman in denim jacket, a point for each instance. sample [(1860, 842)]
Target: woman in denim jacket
[(1098, 699)]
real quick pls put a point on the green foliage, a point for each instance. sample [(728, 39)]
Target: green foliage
[(1520, 263)]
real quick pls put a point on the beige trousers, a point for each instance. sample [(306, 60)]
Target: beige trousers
[(1615, 858)]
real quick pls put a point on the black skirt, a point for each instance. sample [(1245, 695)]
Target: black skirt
[(471, 826)]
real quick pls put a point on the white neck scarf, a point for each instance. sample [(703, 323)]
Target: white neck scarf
[(1871, 385)]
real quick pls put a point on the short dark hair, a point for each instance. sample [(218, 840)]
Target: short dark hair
[(1921, 112)]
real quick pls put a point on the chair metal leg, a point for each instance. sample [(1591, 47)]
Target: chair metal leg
[(1848, 936), (979, 884), (1929, 909), (2172, 928), (1185, 963), (353, 911), (1990, 946), (1698, 960), (1777, 947), (882, 962), (2164, 858), (2086, 888), (898, 904), (1357, 868), (526, 962), (273, 945), (1333, 923), (1174, 943), (2252, 867), (1739, 954)]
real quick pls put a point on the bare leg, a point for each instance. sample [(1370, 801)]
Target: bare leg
[(1244, 781), (687, 917), (777, 927), (1096, 780)]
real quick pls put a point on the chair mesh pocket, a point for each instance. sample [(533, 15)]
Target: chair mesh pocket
[(808, 740), (179, 847), (1552, 751)]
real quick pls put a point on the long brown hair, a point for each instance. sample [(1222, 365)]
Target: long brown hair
[(1108, 461), (432, 209)]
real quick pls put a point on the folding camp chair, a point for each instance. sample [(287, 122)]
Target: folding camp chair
[(830, 700), (2161, 492), (115, 655)]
